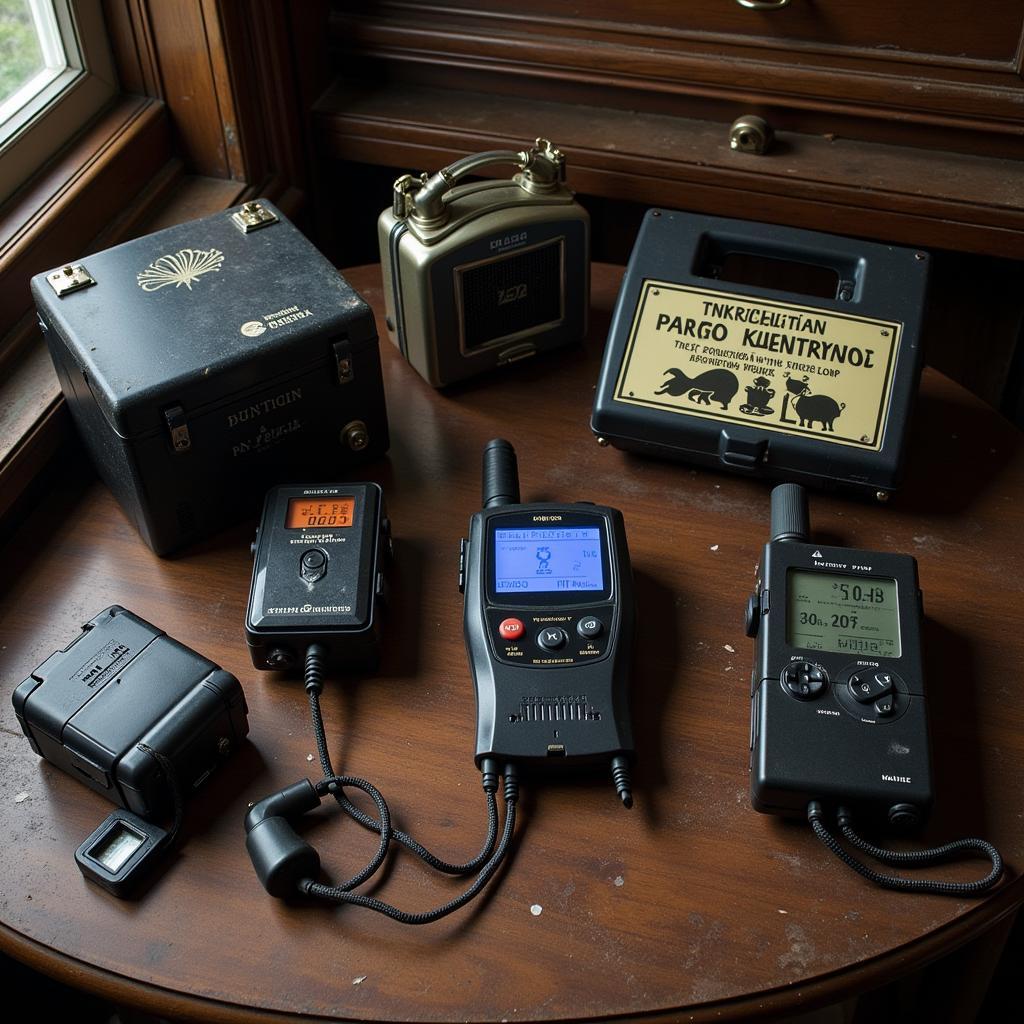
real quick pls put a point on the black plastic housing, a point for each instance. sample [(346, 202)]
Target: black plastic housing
[(535, 707), (122, 682), (827, 747), (678, 392), (339, 605)]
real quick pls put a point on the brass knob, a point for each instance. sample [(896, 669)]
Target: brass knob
[(750, 134), (355, 435)]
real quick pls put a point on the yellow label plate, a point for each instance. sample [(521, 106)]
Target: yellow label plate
[(770, 365)]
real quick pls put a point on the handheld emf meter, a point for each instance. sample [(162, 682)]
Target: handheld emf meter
[(318, 576), (549, 619), (838, 710)]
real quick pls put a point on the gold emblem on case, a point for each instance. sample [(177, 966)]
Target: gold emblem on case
[(184, 267)]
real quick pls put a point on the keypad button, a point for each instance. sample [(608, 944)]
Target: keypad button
[(511, 629), (867, 687), (804, 680), (589, 627), (552, 638)]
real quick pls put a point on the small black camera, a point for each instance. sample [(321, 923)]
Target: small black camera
[(138, 717)]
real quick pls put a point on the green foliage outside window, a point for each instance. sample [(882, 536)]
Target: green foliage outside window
[(20, 54)]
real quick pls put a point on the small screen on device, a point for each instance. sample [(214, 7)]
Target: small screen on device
[(843, 614), (310, 513), (547, 560), (115, 849)]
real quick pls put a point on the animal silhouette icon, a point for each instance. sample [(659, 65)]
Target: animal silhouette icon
[(717, 384), (813, 408)]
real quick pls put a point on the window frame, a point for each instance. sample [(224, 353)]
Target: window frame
[(48, 121)]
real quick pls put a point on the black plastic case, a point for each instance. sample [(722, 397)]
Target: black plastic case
[(828, 747), (759, 380), (209, 361), (120, 682)]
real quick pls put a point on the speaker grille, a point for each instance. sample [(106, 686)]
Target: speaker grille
[(511, 295)]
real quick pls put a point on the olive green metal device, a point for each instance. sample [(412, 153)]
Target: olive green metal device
[(486, 273)]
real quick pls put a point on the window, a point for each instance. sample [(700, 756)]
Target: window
[(55, 72)]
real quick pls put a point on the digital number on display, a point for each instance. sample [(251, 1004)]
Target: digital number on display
[(310, 513), (842, 614)]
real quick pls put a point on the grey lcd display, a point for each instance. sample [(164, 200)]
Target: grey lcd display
[(845, 614), (115, 849)]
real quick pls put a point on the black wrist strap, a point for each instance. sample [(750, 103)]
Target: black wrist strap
[(914, 858)]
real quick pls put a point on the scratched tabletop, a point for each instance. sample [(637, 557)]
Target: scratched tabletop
[(688, 904)]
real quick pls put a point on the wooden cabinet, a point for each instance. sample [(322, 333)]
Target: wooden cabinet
[(901, 122)]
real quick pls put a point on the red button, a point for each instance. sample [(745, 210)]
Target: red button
[(510, 629)]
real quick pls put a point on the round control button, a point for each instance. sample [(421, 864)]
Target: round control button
[(589, 627), (804, 680), (510, 629), (552, 638), (313, 564), (314, 559)]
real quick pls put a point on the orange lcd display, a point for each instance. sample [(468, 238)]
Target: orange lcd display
[(311, 513)]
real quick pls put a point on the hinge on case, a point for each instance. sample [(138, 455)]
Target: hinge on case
[(69, 279), (181, 440), (252, 216), (343, 359)]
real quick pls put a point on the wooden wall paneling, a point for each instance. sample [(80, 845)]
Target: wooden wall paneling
[(228, 74), (261, 56), (238, 159), (903, 195), (189, 85), (134, 50), (909, 31), (877, 86)]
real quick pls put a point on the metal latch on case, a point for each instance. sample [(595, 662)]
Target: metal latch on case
[(740, 453), (253, 216), (181, 440), (71, 278), (343, 361)]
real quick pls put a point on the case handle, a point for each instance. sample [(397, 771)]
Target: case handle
[(542, 169)]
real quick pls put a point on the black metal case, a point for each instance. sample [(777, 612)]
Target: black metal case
[(206, 362), (767, 381)]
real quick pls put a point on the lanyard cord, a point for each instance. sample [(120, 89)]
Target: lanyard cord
[(483, 865), (913, 858)]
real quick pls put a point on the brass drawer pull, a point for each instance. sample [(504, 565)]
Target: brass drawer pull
[(763, 5)]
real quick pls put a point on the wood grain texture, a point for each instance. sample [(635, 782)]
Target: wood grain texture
[(690, 903), (54, 217), (878, 69), (903, 195), (190, 74)]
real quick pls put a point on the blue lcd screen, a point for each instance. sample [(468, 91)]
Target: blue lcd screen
[(547, 560)]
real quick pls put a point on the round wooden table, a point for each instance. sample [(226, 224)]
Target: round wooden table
[(690, 902)]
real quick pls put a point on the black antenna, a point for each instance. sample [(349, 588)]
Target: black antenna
[(790, 519), (501, 474)]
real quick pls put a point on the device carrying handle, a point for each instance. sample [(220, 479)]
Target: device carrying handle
[(542, 167)]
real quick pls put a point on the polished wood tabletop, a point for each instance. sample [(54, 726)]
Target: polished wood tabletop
[(690, 901)]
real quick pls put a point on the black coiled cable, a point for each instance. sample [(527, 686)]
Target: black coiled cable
[(911, 858), (484, 864)]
